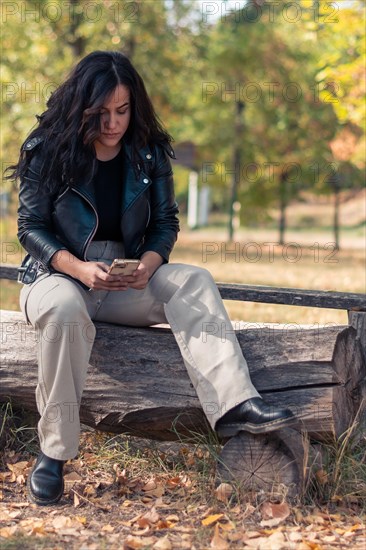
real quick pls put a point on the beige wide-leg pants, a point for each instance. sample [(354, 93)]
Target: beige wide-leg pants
[(185, 296)]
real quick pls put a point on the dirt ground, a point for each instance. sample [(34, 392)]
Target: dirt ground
[(164, 497)]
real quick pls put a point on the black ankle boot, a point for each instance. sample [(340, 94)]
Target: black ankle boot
[(254, 416), (45, 482)]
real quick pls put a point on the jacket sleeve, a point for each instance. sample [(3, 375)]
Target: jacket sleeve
[(163, 226), (35, 227)]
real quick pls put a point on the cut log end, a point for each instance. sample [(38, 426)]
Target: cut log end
[(271, 462)]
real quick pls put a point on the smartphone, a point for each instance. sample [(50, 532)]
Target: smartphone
[(123, 267)]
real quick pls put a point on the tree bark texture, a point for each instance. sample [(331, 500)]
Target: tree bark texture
[(137, 382)]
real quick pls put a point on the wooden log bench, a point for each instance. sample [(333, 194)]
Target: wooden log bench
[(137, 383)]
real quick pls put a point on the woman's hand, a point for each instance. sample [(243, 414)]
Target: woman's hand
[(95, 274), (149, 263)]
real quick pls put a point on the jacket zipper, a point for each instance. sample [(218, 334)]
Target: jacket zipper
[(91, 235)]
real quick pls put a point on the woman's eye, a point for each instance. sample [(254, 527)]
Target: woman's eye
[(122, 112)]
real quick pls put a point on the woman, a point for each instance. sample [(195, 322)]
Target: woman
[(96, 184)]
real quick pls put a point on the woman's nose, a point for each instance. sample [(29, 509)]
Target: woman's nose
[(110, 121)]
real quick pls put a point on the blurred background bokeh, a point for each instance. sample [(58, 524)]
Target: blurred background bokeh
[(266, 104)]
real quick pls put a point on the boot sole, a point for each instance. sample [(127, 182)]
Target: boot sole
[(232, 429)]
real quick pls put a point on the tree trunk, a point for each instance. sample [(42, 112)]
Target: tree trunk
[(283, 206), (237, 144), (336, 217)]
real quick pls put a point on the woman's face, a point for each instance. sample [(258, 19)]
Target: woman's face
[(115, 116)]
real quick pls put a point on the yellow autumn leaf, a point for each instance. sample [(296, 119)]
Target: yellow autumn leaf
[(172, 517), (356, 527), (81, 519), (126, 503), (212, 519)]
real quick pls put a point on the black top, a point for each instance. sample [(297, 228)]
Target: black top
[(108, 194)]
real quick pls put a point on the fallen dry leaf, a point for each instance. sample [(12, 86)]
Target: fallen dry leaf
[(252, 534), (134, 543), (108, 528), (329, 538), (314, 519), (294, 537), (38, 528), (224, 492), (174, 481), (151, 516), (163, 544), (211, 519), (18, 504), (14, 514), (142, 532), (321, 477), (276, 541), (76, 500), (172, 517), (150, 485), (357, 527), (70, 480), (81, 519), (217, 541), (7, 532), (272, 510), (163, 524), (274, 522), (234, 537), (229, 526), (273, 514), (19, 467)]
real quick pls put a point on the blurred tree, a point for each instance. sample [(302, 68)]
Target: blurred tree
[(269, 64), (43, 40), (296, 68), (341, 83)]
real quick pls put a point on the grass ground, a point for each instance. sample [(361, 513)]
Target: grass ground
[(125, 493)]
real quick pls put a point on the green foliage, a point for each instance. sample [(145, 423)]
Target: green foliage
[(298, 72)]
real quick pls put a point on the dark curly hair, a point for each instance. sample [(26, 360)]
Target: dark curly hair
[(71, 123)]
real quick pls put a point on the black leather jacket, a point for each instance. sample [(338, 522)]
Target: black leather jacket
[(68, 219)]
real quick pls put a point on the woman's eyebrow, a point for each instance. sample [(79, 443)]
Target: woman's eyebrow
[(119, 106)]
